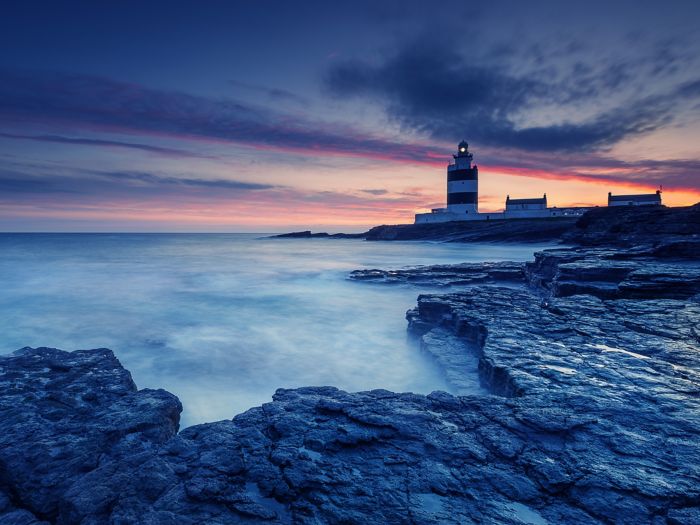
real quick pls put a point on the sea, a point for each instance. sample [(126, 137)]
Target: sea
[(223, 320)]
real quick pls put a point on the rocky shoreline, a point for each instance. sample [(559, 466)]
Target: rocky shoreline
[(502, 231), (588, 361), (600, 226)]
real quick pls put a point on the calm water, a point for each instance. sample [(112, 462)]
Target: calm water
[(224, 320)]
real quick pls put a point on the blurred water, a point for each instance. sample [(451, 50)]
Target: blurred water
[(224, 320)]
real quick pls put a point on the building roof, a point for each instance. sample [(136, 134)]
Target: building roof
[(636, 198), (539, 200)]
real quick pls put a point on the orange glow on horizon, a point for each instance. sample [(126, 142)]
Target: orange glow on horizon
[(324, 196)]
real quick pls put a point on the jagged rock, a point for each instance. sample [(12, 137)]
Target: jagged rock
[(459, 362), (61, 413)]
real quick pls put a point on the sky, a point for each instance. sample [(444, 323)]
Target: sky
[(272, 116)]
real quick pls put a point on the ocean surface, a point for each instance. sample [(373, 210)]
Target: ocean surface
[(222, 320)]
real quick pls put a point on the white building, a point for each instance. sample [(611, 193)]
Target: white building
[(647, 199)]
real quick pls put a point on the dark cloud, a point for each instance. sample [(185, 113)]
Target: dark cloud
[(375, 192), (679, 174), (94, 103), (435, 90), (103, 143), (428, 83)]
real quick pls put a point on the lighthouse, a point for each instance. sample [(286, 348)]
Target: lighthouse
[(463, 198), (463, 183)]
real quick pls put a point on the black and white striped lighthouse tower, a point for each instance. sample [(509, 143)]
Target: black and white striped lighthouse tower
[(463, 183)]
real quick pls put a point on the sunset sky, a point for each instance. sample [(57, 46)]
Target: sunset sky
[(272, 116)]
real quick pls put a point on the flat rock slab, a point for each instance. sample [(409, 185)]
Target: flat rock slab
[(446, 275), (610, 274)]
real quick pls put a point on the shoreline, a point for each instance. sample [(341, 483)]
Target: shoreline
[(589, 358)]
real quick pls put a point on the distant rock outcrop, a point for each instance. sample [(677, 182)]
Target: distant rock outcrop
[(617, 225), (306, 234), (520, 230)]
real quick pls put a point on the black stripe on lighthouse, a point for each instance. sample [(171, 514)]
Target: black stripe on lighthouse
[(462, 197), (464, 174)]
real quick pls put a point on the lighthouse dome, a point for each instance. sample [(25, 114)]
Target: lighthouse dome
[(463, 147)]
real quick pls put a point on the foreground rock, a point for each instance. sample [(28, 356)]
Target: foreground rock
[(558, 452), (62, 414)]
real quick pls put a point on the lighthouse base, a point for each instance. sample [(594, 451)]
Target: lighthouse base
[(443, 215)]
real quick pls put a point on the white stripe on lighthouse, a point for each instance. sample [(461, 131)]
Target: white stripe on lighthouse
[(460, 186)]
